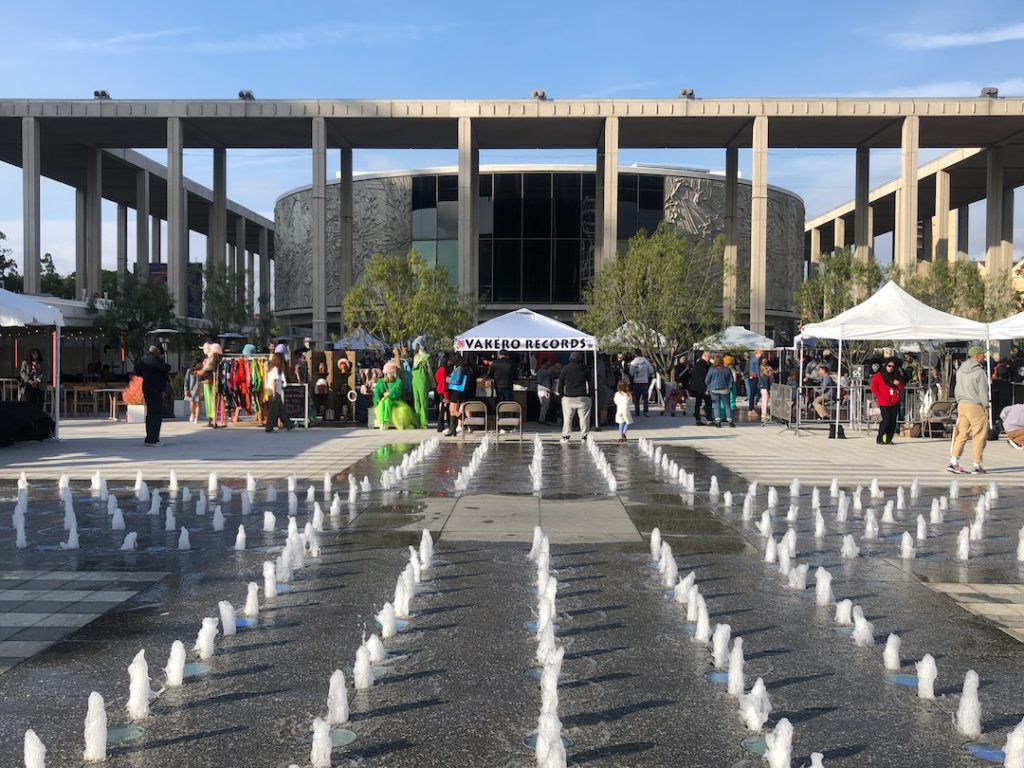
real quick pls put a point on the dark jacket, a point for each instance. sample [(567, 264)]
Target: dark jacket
[(502, 372), (697, 376), (575, 381), (154, 372)]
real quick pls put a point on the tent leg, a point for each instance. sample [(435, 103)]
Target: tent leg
[(56, 383), (597, 422), (988, 364), (839, 378)]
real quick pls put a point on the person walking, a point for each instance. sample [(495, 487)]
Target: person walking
[(547, 375), (753, 374), (640, 372), (622, 415), (719, 382), (153, 370), (699, 389), (971, 397), (575, 389), (887, 386), (32, 375), (273, 385)]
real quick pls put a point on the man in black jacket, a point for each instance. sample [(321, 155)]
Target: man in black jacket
[(153, 370), (503, 374), (575, 388), (700, 390)]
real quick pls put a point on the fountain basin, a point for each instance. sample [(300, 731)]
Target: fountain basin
[(124, 734)]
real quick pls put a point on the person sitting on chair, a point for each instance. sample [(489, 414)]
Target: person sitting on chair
[(826, 387)]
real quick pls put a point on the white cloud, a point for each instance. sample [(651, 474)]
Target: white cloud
[(329, 33), (927, 41), (128, 42)]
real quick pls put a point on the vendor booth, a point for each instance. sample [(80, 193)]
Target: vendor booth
[(527, 332), (18, 310), (890, 314)]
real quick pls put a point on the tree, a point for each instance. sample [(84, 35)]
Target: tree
[(137, 308), (665, 286), (397, 298), (839, 282), (224, 311), (9, 275), (961, 288), (52, 283)]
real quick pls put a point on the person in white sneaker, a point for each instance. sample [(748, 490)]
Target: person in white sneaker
[(971, 397), (1012, 417)]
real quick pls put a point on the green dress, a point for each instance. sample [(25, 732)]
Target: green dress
[(421, 379)]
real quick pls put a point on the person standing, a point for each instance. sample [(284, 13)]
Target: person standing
[(273, 384), (622, 415), (503, 374), (420, 384), (764, 383), (971, 397), (699, 389), (640, 372), (719, 382), (575, 389), (887, 386), (153, 370), (441, 387), (32, 374), (753, 374), (547, 375)]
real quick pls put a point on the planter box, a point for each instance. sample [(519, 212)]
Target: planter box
[(136, 414), (180, 409)]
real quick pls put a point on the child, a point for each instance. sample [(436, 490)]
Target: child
[(623, 403)]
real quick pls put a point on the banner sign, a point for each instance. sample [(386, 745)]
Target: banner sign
[(475, 344)]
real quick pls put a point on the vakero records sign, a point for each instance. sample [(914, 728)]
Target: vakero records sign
[(483, 344)]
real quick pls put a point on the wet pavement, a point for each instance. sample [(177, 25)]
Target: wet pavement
[(456, 692)]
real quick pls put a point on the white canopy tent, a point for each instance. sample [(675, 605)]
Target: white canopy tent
[(1008, 328), (359, 338), (735, 337), (524, 330), (622, 335), (18, 310), (891, 314)]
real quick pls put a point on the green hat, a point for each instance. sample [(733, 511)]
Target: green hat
[(975, 350)]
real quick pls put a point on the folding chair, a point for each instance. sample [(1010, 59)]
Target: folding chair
[(939, 413), (474, 414), (508, 414)]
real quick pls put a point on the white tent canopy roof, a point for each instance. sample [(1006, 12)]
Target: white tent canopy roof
[(523, 331), (1008, 328), (359, 338), (892, 313), (20, 310), (625, 333), (735, 337)]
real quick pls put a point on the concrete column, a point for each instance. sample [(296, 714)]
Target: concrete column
[(94, 219), (30, 211), (217, 241), (607, 225), (758, 223), (238, 265), (264, 273), (941, 240), (1007, 244), (142, 225), (994, 212), (839, 234), (963, 232), (862, 249), (732, 166), (905, 232), (926, 240), (318, 211), (469, 209), (346, 267), (81, 224), (154, 255), (815, 255), (122, 243), (177, 226), (250, 286)]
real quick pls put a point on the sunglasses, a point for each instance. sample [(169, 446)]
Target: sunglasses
[(890, 366)]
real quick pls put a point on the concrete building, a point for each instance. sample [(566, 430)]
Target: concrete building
[(54, 134), (536, 229)]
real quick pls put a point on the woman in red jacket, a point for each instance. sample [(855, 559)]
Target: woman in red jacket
[(887, 388)]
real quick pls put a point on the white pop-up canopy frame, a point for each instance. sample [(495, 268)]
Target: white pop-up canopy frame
[(891, 314), (1008, 328), (18, 310), (524, 330)]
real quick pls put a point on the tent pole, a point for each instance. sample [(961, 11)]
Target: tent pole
[(56, 382), (596, 421), (800, 388), (839, 378), (988, 365)]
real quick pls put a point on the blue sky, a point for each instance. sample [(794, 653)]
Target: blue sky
[(572, 49)]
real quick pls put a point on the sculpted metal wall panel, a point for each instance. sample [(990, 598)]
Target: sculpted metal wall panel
[(382, 212), (696, 204)]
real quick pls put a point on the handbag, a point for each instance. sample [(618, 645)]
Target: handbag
[(457, 382)]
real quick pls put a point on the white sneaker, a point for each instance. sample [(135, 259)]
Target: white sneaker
[(1013, 444)]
